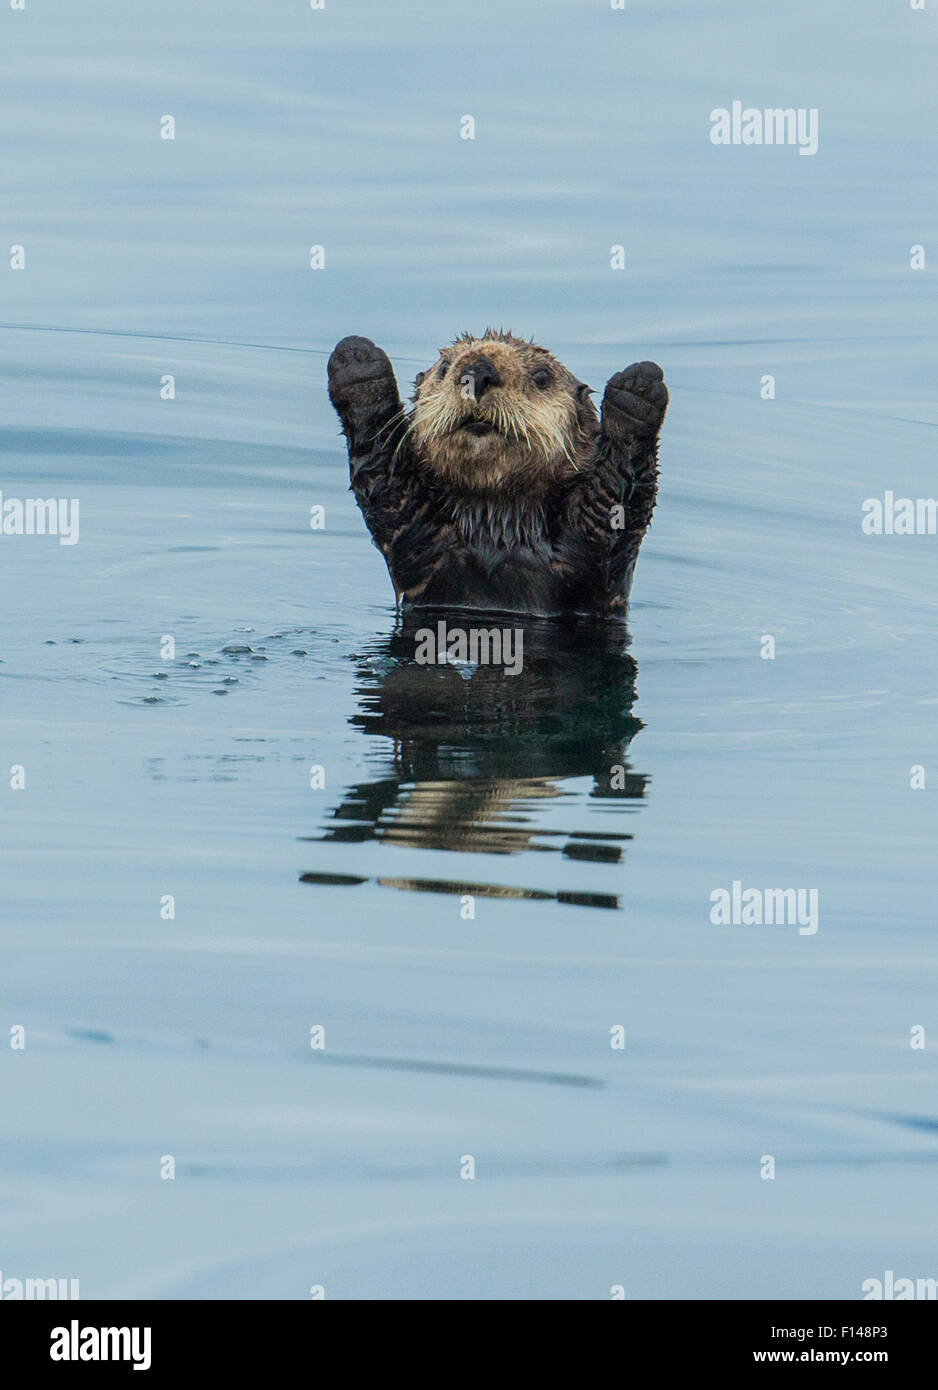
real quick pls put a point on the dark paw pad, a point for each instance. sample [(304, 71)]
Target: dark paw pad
[(357, 366), (635, 400)]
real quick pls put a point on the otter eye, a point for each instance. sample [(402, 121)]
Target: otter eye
[(443, 369), (541, 378)]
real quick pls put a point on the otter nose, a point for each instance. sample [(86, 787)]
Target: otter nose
[(479, 376)]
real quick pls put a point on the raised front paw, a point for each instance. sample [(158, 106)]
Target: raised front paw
[(635, 401), (360, 372)]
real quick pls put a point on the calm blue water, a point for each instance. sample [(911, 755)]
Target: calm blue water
[(340, 906)]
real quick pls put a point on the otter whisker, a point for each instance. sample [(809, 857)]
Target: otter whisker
[(405, 431), (388, 428)]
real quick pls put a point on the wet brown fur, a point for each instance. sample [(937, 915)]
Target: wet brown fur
[(502, 489), (541, 434)]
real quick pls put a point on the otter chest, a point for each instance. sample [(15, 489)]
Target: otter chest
[(487, 558), (518, 579)]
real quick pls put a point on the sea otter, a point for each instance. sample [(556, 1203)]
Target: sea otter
[(502, 489)]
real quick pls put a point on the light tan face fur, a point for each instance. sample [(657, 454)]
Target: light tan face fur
[(541, 424)]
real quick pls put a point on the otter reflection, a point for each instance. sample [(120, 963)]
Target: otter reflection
[(476, 757)]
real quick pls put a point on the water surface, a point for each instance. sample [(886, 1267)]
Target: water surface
[(589, 806)]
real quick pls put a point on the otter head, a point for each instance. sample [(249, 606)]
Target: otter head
[(499, 415)]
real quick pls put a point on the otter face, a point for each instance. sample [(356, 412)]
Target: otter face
[(496, 413)]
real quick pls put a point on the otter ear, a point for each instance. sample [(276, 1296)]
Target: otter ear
[(583, 392), (418, 380)]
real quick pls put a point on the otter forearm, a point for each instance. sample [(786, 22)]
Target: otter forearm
[(598, 541), (610, 505), (634, 405), (363, 389), (364, 392), (637, 466)]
